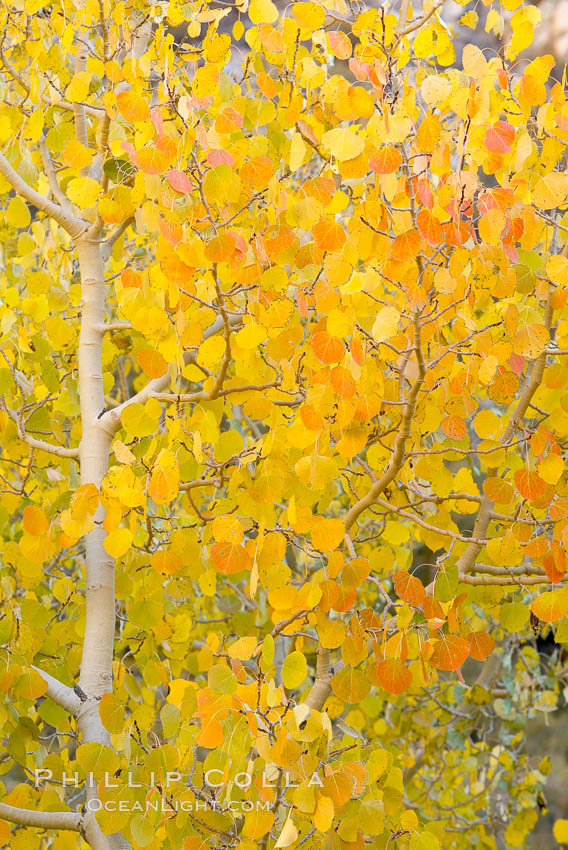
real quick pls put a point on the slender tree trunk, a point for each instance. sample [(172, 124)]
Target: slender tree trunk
[(98, 645)]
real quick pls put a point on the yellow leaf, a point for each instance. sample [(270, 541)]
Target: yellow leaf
[(18, 213), (141, 420), (251, 336), (298, 150), (294, 670), (531, 340), (227, 529), (323, 815), (76, 155), (557, 269), (435, 89), (551, 468), (78, 89), (31, 685), (560, 831), (211, 352), (470, 19), (257, 822), (385, 325), (118, 542), (84, 192), (76, 526), (122, 453), (262, 12), (487, 369), (288, 835), (550, 191), (343, 143), (243, 648)]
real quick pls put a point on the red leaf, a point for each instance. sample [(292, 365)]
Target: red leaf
[(220, 158), (180, 182), (339, 44)]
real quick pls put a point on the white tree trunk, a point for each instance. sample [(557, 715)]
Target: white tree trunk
[(98, 645)]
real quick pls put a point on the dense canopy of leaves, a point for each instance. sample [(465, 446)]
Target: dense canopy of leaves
[(334, 376)]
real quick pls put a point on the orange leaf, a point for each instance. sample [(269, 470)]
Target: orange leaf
[(165, 562), (228, 120), (338, 786), (454, 427), (529, 484), (152, 362), (329, 235), (551, 569), (230, 558), (151, 161), (498, 490), (132, 106), (195, 842), (35, 521), (450, 652), (406, 246), (221, 247), (551, 606), (480, 645), (433, 610), (393, 675), (500, 137), (327, 348), (258, 172), (409, 588), (429, 227), (386, 161)]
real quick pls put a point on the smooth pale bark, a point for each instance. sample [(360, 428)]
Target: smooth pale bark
[(42, 820), (98, 644), (62, 694), (321, 688)]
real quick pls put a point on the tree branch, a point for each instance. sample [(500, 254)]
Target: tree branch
[(108, 245), (321, 688), (74, 226), (111, 420), (40, 445), (467, 559), (61, 694), (398, 457), (43, 820)]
